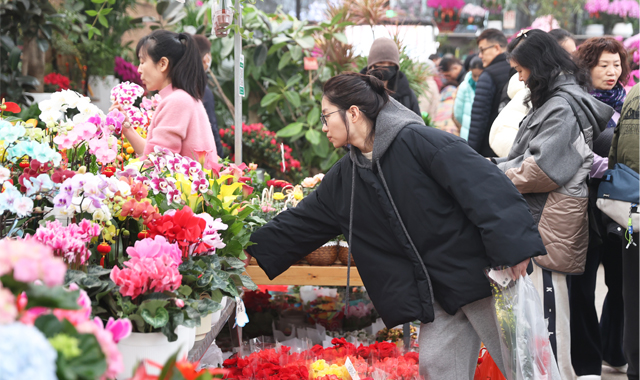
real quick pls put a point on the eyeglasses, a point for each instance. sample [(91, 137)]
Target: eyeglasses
[(323, 117), (482, 50)]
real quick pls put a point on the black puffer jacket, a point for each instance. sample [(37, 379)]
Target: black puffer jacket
[(427, 216), (402, 92), (486, 103)]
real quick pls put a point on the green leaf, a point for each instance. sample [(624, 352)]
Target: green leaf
[(207, 306), (153, 304), (103, 20), (185, 290), (40, 295), (290, 130), (227, 47), (341, 37), (296, 53), (161, 7), (91, 364), (91, 13), (260, 55), (157, 320), (269, 98), (49, 325), (73, 276), (293, 98), (248, 283), (137, 321), (276, 47), (306, 42), (322, 149), (106, 11), (293, 80), (284, 61), (313, 136), (314, 116)]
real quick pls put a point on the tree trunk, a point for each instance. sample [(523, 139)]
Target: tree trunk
[(33, 62)]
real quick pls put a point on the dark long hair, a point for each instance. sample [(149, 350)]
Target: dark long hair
[(185, 64), (367, 92), (540, 53), (590, 51)]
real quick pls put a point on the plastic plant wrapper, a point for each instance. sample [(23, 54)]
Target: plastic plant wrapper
[(526, 350)]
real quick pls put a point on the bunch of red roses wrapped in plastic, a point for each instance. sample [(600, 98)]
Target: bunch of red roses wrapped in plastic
[(380, 360)]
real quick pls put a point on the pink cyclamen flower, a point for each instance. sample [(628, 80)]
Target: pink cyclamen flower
[(156, 248), (120, 328), (179, 303), (147, 275)]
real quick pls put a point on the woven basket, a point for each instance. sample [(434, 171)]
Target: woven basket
[(323, 256), (343, 253)]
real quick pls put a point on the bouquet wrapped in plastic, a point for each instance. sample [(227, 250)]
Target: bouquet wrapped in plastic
[(526, 350)]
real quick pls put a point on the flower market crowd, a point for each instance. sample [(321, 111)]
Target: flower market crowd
[(122, 232)]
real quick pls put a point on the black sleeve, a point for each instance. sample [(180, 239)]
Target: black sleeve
[(298, 231), (415, 106), (481, 111), (210, 106), (490, 201)]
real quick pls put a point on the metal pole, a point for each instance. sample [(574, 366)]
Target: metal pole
[(239, 81)]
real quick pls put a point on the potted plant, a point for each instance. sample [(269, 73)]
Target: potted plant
[(446, 13), (596, 10), (625, 11), (149, 292)]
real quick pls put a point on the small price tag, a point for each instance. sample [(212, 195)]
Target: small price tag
[(351, 369)]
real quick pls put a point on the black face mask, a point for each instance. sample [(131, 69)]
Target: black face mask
[(386, 73)]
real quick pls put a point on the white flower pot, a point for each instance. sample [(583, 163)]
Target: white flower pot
[(205, 326), (153, 346), (594, 30), (623, 29)]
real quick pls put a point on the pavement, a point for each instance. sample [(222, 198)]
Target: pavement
[(601, 291)]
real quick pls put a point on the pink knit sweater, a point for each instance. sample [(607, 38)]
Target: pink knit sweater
[(181, 124)]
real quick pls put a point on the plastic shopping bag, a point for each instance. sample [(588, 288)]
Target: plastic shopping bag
[(526, 350)]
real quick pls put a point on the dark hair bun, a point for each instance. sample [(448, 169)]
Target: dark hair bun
[(374, 79)]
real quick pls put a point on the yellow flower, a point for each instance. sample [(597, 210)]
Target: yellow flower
[(278, 196), (297, 193), (32, 122), (184, 185), (228, 193)]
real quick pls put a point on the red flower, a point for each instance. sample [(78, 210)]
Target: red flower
[(183, 227), (10, 107)]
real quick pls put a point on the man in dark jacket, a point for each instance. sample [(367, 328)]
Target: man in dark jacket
[(384, 56), (491, 46), (208, 101), (424, 215)]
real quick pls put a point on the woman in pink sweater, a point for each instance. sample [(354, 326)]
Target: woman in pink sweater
[(170, 63)]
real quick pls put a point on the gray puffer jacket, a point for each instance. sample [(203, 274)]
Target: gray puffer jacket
[(549, 163)]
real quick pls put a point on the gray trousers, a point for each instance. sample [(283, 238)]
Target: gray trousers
[(449, 345)]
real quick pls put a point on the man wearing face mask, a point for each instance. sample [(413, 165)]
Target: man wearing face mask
[(385, 58)]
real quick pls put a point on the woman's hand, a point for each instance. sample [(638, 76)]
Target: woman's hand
[(519, 270), (119, 107)]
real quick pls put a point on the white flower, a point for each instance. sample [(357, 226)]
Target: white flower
[(50, 117), (124, 188), (49, 105), (5, 174), (24, 206)]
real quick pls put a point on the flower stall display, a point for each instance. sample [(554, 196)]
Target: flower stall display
[(47, 330), (55, 82), (126, 72), (261, 146), (545, 23), (446, 13), (379, 361)]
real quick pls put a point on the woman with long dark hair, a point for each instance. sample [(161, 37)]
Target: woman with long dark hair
[(549, 163), (424, 215), (170, 63), (594, 342)]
